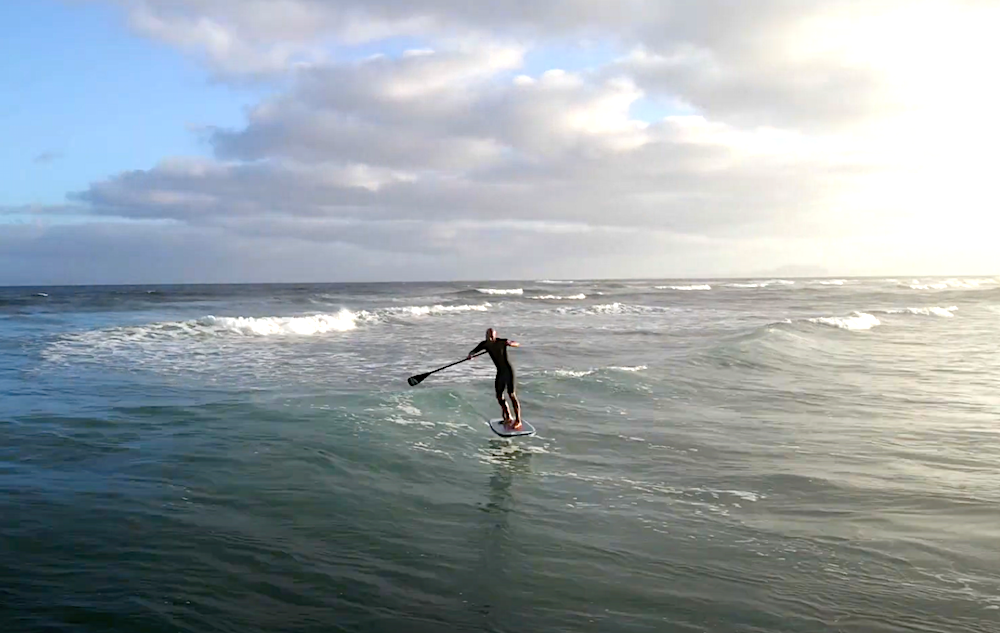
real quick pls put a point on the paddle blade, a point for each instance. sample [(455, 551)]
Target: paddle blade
[(416, 380)]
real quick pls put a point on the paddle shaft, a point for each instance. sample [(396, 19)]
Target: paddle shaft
[(421, 377)]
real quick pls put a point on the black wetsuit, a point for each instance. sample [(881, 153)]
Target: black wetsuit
[(505, 371)]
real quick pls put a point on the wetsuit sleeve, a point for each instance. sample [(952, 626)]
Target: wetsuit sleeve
[(478, 348)]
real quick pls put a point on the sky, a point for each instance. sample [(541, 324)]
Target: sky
[(170, 141)]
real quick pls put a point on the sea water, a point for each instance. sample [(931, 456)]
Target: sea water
[(765, 455)]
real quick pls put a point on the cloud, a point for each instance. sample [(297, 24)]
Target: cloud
[(771, 61), (448, 137), (47, 157), (792, 133)]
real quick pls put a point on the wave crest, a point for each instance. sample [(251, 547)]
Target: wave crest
[(500, 291), (931, 311), (578, 297), (619, 308), (948, 284), (762, 284), (434, 309), (857, 321), (342, 321), (691, 287)]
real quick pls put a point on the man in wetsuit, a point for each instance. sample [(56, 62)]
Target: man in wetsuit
[(497, 349)]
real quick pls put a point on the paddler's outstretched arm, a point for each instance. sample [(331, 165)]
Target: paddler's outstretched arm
[(479, 347), (513, 344)]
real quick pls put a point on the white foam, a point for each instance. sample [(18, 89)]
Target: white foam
[(421, 446), (946, 284), (833, 282), (395, 419), (578, 297), (635, 368), (613, 309), (691, 287), (570, 373), (857, 321), (408, 408), (555, 282), (745, 495), (618, 308), (342, 321), (762, 284), (167, 341), (931, 311), (434, 309), (501, 291)]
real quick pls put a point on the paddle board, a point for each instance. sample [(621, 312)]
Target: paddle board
[(505, 431)]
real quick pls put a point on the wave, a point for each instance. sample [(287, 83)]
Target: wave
[(932, 311), (212, 326), (614, 308), (832, 282), (342, 321), (866, 320), (308, 325), (500, 291), (762, 284), (857, 321), (572, 373), (431, 310), (555, 282), (691, 287), (580, 373), (948, 284), (578, 297)]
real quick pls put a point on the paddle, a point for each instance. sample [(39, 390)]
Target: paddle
[(416, 380)]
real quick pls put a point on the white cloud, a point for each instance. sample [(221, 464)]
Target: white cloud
[(809, 130)]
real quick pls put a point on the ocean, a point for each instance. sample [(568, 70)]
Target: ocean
[(747, 455)]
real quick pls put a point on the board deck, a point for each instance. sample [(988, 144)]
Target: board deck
[(503, 431)]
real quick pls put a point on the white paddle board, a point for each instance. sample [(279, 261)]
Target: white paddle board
[(503, 430)]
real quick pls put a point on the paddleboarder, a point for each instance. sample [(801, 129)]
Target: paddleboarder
[(497, 349)]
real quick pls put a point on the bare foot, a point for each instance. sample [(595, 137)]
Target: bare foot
[(516, 425)]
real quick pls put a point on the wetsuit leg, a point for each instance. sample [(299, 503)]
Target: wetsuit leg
[(500, 383)]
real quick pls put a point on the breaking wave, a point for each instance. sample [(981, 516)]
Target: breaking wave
[(573, 373), (948, 284), (269, 326), (857, 321), (432, 310), (578, 297), (932, 311), (580, 373), (614, 308), (212, 326), (762, 284), (691, 287), (310, 325), (500, 291), (866, 320)]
